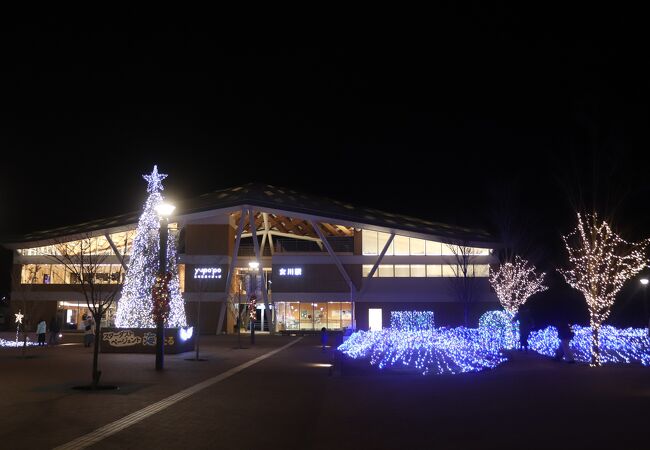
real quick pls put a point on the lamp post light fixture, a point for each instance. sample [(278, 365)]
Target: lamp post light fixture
[(644, 283), (253, 266), (164, 211)]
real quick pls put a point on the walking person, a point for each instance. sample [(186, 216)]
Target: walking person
[(40, 330), (89, 331), (323, 337), (54, 332), (564, 350)]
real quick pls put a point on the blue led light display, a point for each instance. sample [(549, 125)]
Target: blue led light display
[(412, 320), (436, 351), (617, 345)]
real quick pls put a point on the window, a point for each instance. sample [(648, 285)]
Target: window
[(481, 270), (382, 238), (402, 270), (346, 314), (449, 249), (418, 246), (450, 270), (418, 271), (385, 271), (365, 270), (306, 316), (433, 248), (369, 242), (401, 245), (434, 270)]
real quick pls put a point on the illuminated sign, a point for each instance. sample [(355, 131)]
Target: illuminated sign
[(290, 271), (207, 272)]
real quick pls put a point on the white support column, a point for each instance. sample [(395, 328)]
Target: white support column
[(368, 279), (231, 270), (116, 251), (337, 261), (271, 243), (256, 246), (266, 231)]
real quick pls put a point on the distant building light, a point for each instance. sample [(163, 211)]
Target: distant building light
[(644, 281)]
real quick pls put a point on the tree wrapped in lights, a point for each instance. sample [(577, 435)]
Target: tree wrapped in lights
[(515, 282), (600, 263), (161, 297), (135, 307)]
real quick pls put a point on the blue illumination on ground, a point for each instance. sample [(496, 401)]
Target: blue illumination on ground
[(625, 345), (414, 343), (437, 351)]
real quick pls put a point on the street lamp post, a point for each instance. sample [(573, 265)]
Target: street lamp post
[(164, 210), (253, 265), (644, 283)]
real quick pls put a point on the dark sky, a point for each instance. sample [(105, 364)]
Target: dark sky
[(442, 119)]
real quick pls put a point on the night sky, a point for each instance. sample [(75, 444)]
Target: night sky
[(463, 117)]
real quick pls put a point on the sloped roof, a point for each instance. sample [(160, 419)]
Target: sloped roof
[(273, 197)]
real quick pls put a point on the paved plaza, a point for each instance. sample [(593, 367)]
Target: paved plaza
[(294, 400)]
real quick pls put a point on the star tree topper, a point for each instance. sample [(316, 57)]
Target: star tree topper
[(155, 180), (19, 317)]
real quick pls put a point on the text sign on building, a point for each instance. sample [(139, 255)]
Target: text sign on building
[(290, 271), (207, 272)]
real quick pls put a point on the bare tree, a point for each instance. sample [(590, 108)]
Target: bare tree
[(464, 282), (85, 266)]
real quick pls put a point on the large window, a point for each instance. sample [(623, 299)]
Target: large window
[(373, 243), (313, 316), (98, 245), (60, 274), (428, 270)]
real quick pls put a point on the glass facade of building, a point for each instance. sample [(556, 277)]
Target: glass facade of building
[(313, 315), (60, 274), (98, 245), (425, 270), (373, 243)]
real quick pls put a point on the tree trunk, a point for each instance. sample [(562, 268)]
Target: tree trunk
[(595, 344), (96, 373)]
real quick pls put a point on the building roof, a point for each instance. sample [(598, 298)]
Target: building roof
[(273, 197)]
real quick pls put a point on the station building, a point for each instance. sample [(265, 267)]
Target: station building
[(322, 263)]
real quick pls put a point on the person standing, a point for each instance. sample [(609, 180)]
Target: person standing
[(54, 332), (89, 330), (323, 337), (40, 330)]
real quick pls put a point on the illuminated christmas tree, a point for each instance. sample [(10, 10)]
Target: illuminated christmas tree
[(515, 282), (134, 309), (600, 263)]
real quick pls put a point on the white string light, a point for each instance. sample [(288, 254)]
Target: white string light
[(515, 282), (134, 308), (600, 262)]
